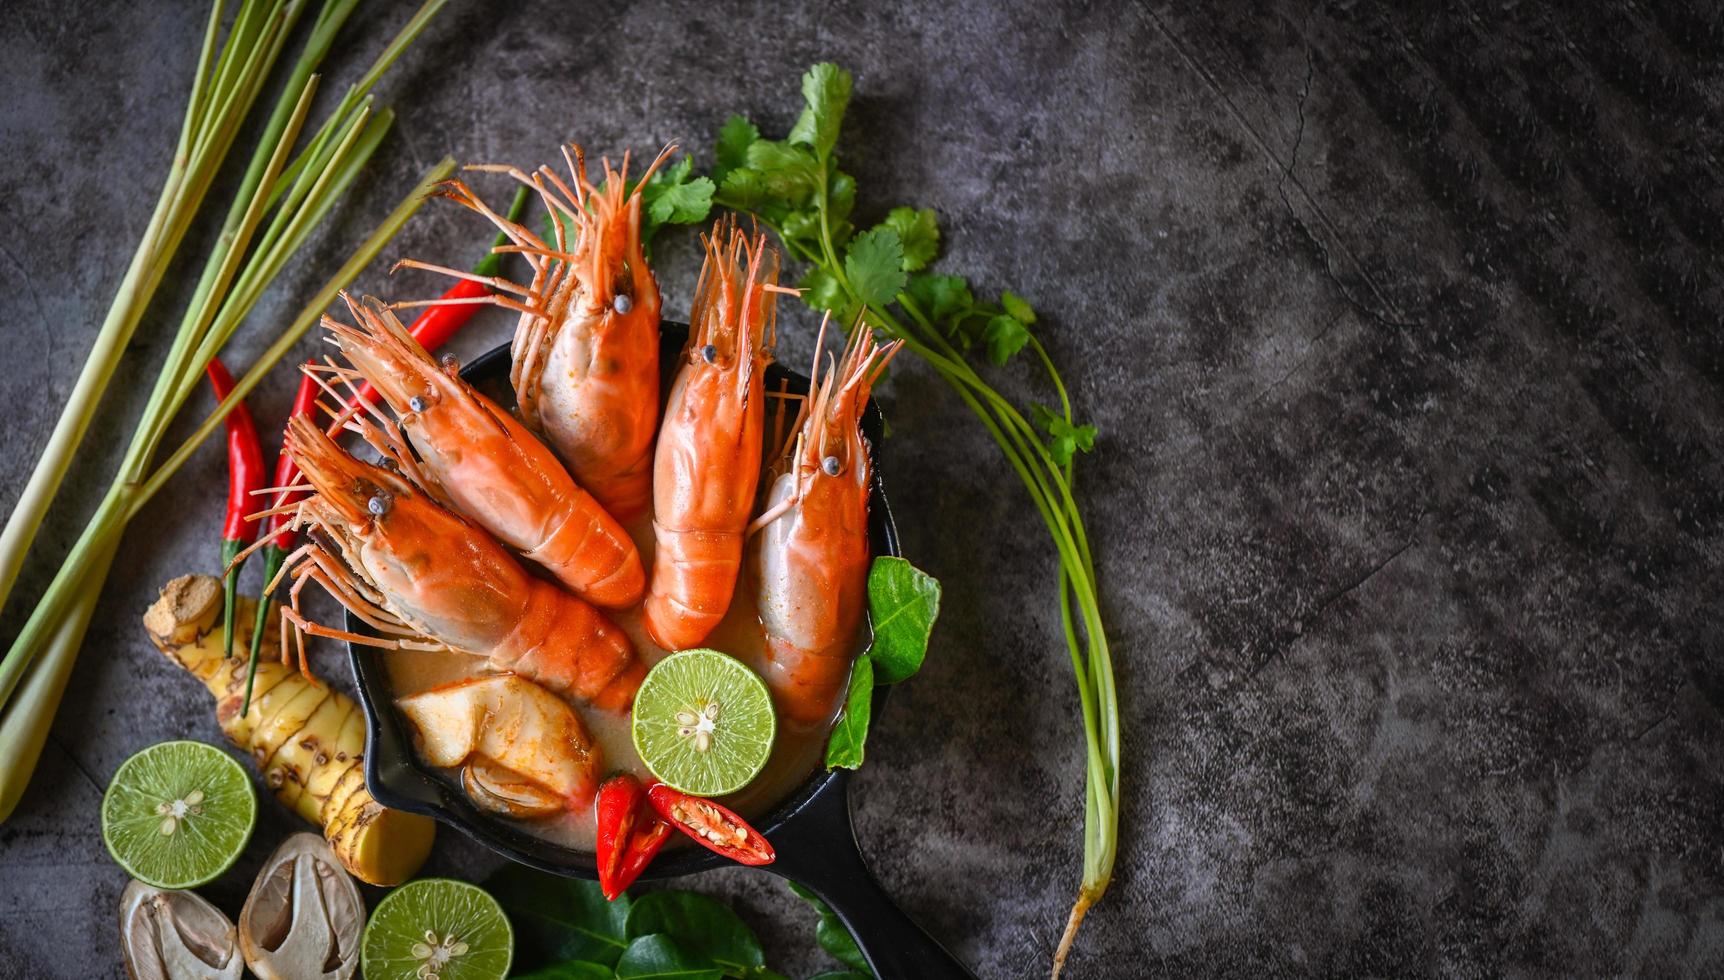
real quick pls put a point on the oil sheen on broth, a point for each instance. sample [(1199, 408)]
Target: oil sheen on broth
[(794, 754)]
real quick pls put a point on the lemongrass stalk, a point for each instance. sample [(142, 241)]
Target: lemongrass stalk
[(412, 29), (26, 721), (224, 264), (111, 339), (259, 272), (124, 496), (23, 731), (203, 144), (330, 20), (308, 316), (222, 96)]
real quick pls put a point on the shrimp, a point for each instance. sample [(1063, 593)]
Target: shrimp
[(810, 559), (427, 579), (707, 464), (585, 354), (478, 459)]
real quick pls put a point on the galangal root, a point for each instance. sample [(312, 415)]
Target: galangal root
[(307, 740)]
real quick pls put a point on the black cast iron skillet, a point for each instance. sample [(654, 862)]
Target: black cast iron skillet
[(810, 830)]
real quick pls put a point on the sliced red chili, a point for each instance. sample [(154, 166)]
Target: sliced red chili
[(618, 801), (712, 826), (629, 833), (644, 845)]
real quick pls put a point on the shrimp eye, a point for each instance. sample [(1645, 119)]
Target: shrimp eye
[(418, 403), (378, 504), (709, 353), (831, 465), (389, 463), (622, 304), (450, 363)]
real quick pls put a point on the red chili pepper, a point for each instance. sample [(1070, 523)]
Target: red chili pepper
[(643, 847), (437, 324), (712, 826), (244, 474), (619, 800), (286, 474), (629, 834), (432, 329)]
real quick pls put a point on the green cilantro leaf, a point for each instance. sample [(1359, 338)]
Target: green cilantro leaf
[(671, 198), (678, 204), (825, 94), (1064, 438), (734, 140), (789, 173), (840, 196), (919, 233), (821, 290), (874, 265), (1005, 336), (1018, 309), (802, 226), (941, 296), (744, 188)]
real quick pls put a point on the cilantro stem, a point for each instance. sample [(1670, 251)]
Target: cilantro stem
[(793, 184)]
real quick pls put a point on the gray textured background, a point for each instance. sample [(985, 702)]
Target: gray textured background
[(1403, 333)]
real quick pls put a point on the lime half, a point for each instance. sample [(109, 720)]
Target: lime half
[(437, 927), (177, 814), (703, 722)]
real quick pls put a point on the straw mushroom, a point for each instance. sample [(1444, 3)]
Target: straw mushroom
[(503, 790), (304, 916), (173, 935)]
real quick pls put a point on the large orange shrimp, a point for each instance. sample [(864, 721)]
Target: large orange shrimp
[(707, 464), (811, 557), (426, 579), (585, 367), (475, 457)]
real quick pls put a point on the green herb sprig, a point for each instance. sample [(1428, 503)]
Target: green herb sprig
[(882, 274), (671, 197)]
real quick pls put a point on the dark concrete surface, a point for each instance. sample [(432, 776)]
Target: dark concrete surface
[(1402, 330)]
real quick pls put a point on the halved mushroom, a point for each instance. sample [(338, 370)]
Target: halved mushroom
[(503, 790), (521, 745), (304, 915), (170, 935)]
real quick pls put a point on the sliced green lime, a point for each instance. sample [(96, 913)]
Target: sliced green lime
[(703, 722), (437, 927), (177, 814)]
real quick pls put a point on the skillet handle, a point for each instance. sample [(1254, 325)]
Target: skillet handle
[(818, 851)]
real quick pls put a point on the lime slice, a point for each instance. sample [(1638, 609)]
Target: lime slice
[(177, 814), (703, 722), (437, 927)]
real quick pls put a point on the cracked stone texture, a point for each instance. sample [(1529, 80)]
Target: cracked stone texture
[(1402, 331)]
